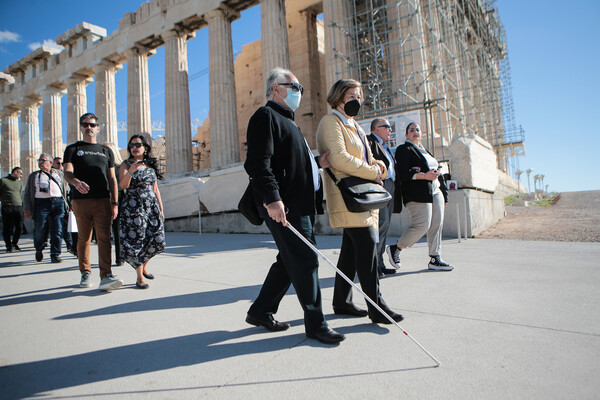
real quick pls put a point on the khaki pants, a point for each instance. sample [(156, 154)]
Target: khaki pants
[(425, 218), (96, 213)]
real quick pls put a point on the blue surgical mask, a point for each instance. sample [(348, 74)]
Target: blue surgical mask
[(293, 99)]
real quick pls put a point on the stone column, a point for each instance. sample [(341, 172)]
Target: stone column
[(76, 105), (10, 139), (223, 116), (274, 38), (52, 141), (106, 101), (30, 135), (178, 129), (138, 93), (337, 25)]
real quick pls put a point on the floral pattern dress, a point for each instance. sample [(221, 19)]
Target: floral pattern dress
[(142, 230)]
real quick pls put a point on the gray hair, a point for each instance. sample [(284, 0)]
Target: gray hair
[(276, 75), (48, 156)]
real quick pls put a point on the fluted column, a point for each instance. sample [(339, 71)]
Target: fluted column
[(106, 101), (76, 105), (52, 141), (273, 34), (10, 139), (178, 129), (224, 147), (338, 25), (30, 135), (138, 93)]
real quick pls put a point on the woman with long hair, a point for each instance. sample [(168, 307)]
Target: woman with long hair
[(142, 230)]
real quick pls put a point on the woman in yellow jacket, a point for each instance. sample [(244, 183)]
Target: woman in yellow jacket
[(350, 155)]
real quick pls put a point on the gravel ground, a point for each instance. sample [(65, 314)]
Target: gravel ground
[(575, 217)]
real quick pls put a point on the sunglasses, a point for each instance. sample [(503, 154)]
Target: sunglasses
[(295, 86), (385, 126), (136, 145), (89, 124)]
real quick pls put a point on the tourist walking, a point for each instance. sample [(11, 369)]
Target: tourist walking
[(142, 231), (11, 192), (423, 191), (350, 155)]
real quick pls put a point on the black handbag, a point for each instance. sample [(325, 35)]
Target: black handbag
[(247, 206), (360, 194)]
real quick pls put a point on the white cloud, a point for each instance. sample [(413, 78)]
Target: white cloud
[(7, 36), (47, 43)]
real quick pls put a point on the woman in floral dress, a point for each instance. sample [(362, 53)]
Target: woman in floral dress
[(142, 231)]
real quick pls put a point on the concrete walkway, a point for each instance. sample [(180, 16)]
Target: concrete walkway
[(515, 319)]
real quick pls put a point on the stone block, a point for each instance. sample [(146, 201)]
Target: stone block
[(473, 163), (223, 189), (181, 196)]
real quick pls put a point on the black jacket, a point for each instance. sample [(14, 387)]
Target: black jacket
[(409, 161), (379, 154), (278, 163)]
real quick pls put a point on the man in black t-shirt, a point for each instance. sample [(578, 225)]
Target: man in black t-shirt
[(90, 170)]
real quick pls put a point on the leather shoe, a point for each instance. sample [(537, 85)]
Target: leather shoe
[(268, 322), (39, 256), (148, 276), (142, 285), (380, 319), (327, 336), (351, 310), (388, 271), (56, 259)]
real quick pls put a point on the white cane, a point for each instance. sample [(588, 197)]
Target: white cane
[(340, 273)]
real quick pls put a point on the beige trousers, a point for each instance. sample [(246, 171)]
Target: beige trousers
[(425, 218)]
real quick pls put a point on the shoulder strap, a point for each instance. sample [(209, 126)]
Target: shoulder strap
[(64, 197)]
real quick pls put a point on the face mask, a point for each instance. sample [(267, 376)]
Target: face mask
[(352, 107), (293, 99)]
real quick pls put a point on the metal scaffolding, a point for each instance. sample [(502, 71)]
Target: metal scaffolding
[(445, 58)]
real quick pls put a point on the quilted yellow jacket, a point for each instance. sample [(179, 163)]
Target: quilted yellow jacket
[(346, 157)]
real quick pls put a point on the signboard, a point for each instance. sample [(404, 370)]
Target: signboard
[(398, 121)]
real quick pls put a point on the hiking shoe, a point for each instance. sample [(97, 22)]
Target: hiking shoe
[(110, 283), (393, 253), (86, 279), (437, 264), (39, 256)]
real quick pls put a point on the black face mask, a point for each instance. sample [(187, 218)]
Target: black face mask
[(352, 107)]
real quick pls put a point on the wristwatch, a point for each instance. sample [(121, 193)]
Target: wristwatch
[(115, 203)]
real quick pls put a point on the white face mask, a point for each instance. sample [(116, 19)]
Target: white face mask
[(293, 99)]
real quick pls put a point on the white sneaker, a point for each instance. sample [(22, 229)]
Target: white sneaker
[(86, 279), (437, 264), (110, 283)]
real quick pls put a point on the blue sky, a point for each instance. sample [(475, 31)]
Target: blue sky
[(554, 51)]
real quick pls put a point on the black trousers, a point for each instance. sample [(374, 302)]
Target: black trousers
[(358, 256), (12, 221), (296, 264)]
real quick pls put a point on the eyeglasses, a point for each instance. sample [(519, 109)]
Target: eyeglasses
[(90, 124), (385, 126), (42, 160), (295, 86), (58, 162), (136, 145)]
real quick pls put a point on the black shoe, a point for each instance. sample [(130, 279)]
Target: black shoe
[(39, 256), (142, 285), (268, 322), (327, 336), (380, 319), (9, 250), (387, 271), (16, 247), (56, 259), (73, 251), (148, 276), (118, 263), (44, 246), (437, 264), (351, 310), (393, 253)]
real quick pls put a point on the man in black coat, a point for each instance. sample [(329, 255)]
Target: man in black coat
[(287, 188), (378, 141)]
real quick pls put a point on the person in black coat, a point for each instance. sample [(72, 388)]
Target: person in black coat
[(286, 184), (424, 194)]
